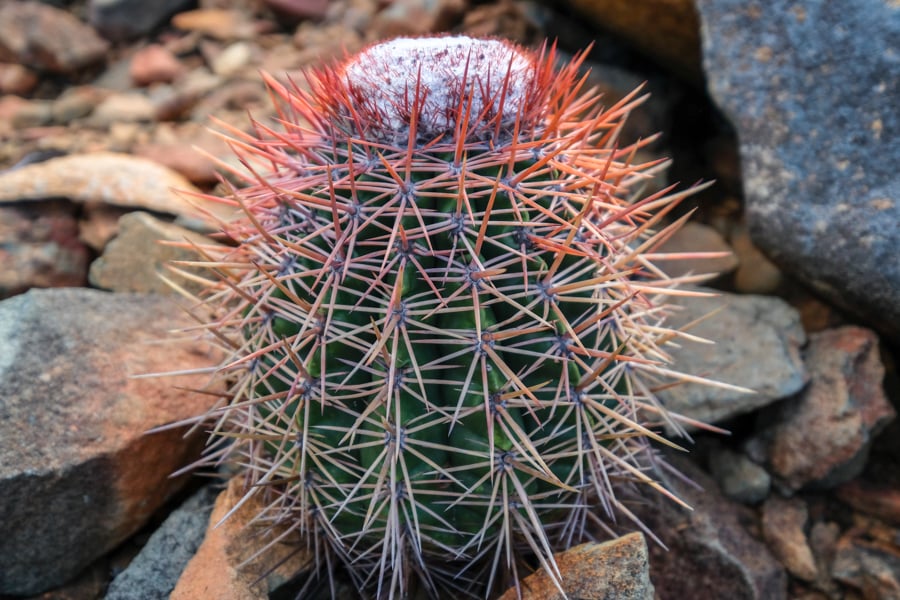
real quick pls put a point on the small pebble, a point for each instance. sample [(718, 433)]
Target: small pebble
[(215, 23), (740, 478), (32, 113), (299, 9), (76, 103), (232, 59), (154, 64), (127, 107), (16, 79)]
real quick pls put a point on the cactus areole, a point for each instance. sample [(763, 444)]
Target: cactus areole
[(443, 317)]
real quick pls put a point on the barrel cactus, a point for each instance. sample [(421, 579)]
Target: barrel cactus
[(442, 314)]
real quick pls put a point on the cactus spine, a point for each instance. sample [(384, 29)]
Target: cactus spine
[(443, 319)]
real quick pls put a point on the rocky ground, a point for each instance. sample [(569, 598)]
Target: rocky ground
[(791, 108)]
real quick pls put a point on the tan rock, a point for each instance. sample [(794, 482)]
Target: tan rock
[(107, 178), (701, 250), (137, 259), (214, 571), (124, 107), (756, 274), (232, 59), (783, 522), (220, 24), (667, 30), (615, 569)]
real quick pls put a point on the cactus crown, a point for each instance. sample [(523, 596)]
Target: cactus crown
[(443, 319), (488, 84)]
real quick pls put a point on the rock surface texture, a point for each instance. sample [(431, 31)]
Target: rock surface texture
[(78, 474), (618, 569), (812, 89)]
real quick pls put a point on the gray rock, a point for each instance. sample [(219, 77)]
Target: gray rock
[(127, 19), (78, 474), (739, 478), (757, 342), (153, 573), (813, 89)]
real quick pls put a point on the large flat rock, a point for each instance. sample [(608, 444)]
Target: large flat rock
[(78, 474)]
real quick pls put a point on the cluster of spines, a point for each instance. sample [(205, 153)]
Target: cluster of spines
[(442, 352)]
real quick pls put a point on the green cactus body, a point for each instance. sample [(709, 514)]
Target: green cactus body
[(442, 317)]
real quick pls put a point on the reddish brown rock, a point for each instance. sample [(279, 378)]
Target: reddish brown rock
[(78, 473), (39, 247), (783, 522), (182, 158), (823, 435), (154, 64), (217, 570), (99, 224), (46, 38), (615, 569)]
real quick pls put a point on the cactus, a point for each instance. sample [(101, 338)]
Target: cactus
[(442, 314)]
